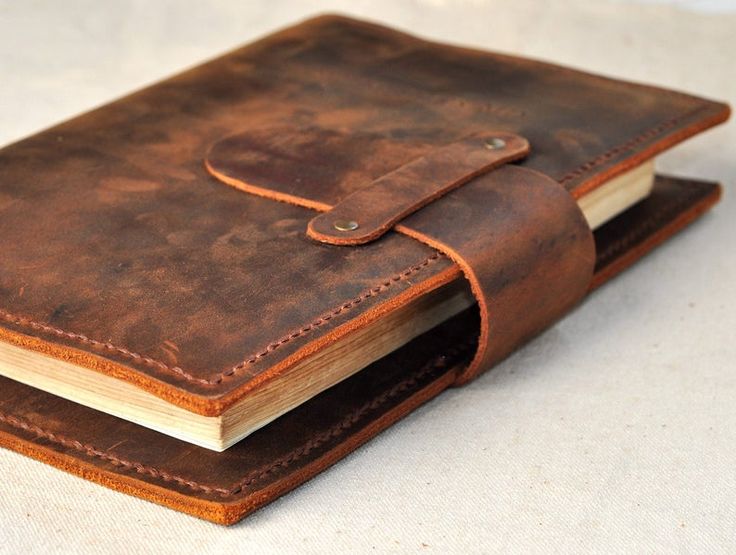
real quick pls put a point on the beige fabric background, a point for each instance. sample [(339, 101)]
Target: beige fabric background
[(614, 432)]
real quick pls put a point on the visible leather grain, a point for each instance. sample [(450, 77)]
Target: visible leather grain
[(120, 252), (224, 487)]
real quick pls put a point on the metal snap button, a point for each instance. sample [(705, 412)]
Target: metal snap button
[(345, 225), (494, 143)]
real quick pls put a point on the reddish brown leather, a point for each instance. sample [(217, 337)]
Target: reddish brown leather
[(524, 245), (121, 253), (223, 487), (389, 199), (518, 236)]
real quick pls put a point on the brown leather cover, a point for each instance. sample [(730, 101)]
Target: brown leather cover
[(224, 487), (121, 252)]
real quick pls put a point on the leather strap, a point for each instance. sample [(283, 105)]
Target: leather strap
[(519, 236), (524, 246), (370, 212)]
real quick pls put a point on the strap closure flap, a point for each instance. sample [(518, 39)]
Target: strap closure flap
[(368, 213), (523, 244)]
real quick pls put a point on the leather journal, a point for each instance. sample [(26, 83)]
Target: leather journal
[(323, 229)]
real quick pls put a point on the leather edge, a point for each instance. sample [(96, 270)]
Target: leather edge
[(632, 255)]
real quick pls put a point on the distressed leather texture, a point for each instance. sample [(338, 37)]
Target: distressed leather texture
[(540, 263), (127, 250), (518, 236), (123, 254), (224, 487)]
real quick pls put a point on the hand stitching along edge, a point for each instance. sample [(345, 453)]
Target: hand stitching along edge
[(313, 442), (628, 145), (384, 285)]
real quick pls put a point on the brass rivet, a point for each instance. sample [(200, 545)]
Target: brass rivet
[(494, 143), (345, 225)]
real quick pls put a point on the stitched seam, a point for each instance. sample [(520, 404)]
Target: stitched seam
[(178, 371), (325, 318), (83, 339), (112, 459), (305, 330), (645, 227), (628, 145), (281, 463)]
